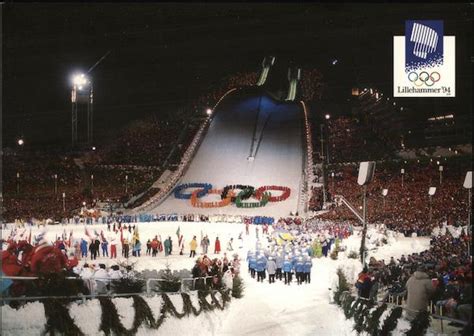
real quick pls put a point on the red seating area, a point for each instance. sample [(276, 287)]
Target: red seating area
[(406, 207)]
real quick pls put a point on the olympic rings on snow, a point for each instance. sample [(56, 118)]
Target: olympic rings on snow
[(424, 78), (262, 194)]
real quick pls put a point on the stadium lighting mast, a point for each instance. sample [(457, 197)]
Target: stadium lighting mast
[(431, 192), (384, 194), (366, 175), (82, 93), (468, 185)]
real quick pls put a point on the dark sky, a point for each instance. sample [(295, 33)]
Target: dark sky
[(161, 55)]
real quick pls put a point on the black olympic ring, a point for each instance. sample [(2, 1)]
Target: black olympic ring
[(424, 77)]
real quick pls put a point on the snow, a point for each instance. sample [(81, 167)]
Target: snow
[(265, 309), (222, 157)]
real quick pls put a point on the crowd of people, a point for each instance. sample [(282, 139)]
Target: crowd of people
[(406, 207), (348, 140), (441, 275), (290, 246)]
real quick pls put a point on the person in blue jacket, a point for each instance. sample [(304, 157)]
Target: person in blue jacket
[(261, 266), (299, 268), (252, 265), (308, 264), (83, 248), (287, 269)]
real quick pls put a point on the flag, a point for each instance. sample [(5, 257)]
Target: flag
[(88, 234), (178, 232)]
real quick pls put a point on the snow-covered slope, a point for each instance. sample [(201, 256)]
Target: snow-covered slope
[(239, 128)]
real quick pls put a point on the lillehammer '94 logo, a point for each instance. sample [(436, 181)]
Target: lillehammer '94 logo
[(428, 71)]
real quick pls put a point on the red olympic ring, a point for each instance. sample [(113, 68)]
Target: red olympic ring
[(284, 196)]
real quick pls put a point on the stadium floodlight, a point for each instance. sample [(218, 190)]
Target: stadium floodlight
[(468, 185), (21, 142), (384, 194), (80, 80), (208, 111), (431, 192), (366, 175), (327, 116)]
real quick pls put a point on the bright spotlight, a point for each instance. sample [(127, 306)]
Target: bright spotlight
[(334, 61), (327, 116), (21, 142), (209, 111), (79, 80)]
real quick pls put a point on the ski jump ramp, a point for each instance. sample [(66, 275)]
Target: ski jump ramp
[(251, 140)]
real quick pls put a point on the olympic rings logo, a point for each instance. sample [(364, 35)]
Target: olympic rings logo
[(228, 195), (424, 78)]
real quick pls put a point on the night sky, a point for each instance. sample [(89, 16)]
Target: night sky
[(161, 56)]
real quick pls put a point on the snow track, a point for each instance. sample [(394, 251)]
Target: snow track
[(248, 125)]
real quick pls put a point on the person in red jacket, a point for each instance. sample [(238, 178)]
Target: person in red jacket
[(47, 259), (217, 246)]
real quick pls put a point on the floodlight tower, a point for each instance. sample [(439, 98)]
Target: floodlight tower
[(82, 93)]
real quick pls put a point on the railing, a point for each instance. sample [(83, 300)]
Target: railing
[(149, 289)]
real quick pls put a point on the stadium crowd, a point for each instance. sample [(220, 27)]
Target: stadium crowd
[(406, 208)]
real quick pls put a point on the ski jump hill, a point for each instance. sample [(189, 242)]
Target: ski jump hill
[(252, 140)]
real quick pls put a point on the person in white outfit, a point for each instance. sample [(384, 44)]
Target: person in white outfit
[(101, 280), (87, 275)]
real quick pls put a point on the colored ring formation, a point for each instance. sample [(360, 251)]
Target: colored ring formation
[(248, 191), (199, 204), (260, 203), (203, 190), (228, 196), (424, 78), (284, 196)]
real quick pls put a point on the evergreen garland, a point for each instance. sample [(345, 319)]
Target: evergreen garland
[(361, 316), (391, 321), (58, 319), (348, 301), (143, 313), (170, 307), (373, 322), (110, 321), (188, 305), (353, 308), (238, 287), (206, 306), (419, 324)]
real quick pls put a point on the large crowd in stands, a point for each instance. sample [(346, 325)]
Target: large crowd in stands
[(441, 275), (348, 140), (405, 208)]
